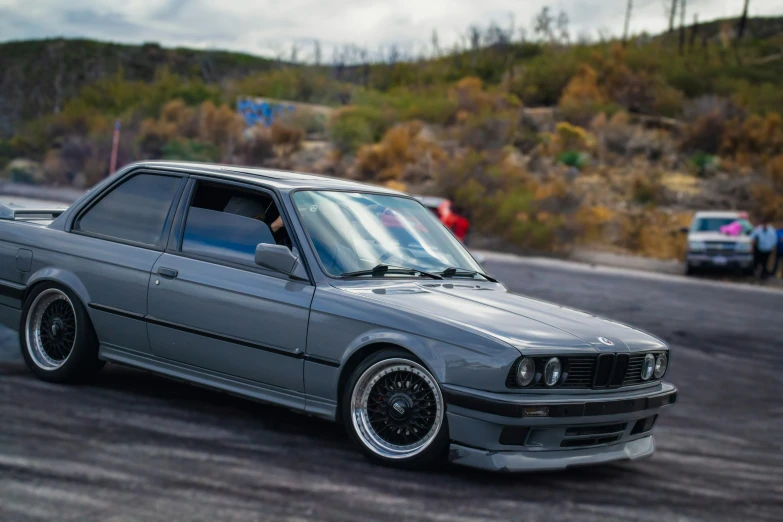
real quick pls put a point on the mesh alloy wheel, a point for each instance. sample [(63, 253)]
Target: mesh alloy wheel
[(50, 329), (396, 408)]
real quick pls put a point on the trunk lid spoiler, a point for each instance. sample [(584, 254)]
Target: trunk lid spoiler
[(12, 212)]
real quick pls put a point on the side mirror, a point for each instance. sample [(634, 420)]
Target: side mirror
[(684, 230), (276, 257)]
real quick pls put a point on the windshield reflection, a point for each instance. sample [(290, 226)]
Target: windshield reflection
[(353, 231)]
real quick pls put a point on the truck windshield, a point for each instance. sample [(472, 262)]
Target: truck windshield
[(353, 231), (711, 224)]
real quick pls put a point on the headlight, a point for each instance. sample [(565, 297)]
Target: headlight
[(648, 367), (552, 371), (697, 245), (526, 371), (660, 365), (744, 247)]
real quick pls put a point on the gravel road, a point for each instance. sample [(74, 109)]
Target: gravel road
[(133, 446)]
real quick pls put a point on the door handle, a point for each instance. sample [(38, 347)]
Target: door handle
[(168, 272)]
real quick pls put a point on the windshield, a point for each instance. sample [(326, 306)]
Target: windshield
[(353, 231), (711, 224)]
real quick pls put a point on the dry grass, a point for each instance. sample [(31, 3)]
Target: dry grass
[(403, 150)]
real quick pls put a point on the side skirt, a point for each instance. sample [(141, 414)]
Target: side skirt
[(219, 381)]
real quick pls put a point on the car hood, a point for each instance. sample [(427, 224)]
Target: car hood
[(716, 236), (527, 324)]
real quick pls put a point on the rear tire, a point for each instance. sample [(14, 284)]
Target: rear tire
[(393, 409), (56, 336), (690, 270)]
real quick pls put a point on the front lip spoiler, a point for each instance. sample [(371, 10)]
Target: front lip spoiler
[(578, 407)]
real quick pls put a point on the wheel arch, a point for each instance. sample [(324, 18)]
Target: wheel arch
[(418, 353), (60, 277)]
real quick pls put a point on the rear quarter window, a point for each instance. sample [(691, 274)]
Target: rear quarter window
[(135, 211)]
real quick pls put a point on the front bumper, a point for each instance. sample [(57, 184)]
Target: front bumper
[(499, 432), (733, 260)]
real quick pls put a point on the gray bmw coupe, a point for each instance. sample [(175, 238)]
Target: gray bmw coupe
[(337, 299)]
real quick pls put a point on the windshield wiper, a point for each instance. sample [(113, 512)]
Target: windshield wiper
[(452, 271), (382, 269)]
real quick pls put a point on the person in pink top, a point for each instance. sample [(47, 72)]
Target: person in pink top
[(740, 226)]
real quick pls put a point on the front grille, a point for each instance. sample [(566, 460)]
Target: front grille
[(620, 367), (715, 248), (720, 245), (605, 371), (634, 373), (579, 372)]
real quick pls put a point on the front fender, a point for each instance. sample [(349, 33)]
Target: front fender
[(342, 325)]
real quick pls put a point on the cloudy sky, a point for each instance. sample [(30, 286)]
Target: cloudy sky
[(267, 26)]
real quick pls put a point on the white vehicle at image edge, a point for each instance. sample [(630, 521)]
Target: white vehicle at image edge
[(708, 247)]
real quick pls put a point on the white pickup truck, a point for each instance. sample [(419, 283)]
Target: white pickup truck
[(708, 247)]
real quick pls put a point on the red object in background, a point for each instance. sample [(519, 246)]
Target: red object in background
[(455, 222), (460, 227)]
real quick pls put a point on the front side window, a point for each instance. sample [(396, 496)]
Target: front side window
[(136, 210), (353, 231), (227, 223)]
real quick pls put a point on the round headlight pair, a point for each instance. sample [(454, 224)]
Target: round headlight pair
[(526, 371), (661, 363), (654, 366)]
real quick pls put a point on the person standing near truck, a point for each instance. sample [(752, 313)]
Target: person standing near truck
[(778, 253), (765, 239)]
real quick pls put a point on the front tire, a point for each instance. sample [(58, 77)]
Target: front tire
[(56, 336), (394, 410)]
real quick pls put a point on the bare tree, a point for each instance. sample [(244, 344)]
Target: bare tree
[(743, 21), (683, 4), (364, 58), (393, 56), (474, 37), (543, 25), (562, 27), (694, 32), (338, 62), (672, 12), (317, 52), (435, 44), (628, 10)]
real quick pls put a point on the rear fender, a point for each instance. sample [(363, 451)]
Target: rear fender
[(59, 276)]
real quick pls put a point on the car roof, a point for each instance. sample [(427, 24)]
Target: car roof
[(280, 179), (718, 214)]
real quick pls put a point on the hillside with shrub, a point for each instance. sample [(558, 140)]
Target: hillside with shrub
[(548, 144)]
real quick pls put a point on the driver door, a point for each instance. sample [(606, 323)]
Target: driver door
[(212, 307)]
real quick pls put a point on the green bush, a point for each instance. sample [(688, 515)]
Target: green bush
[(190, 150), (7, 153), (573, 158), (703, 161), (355, 126)]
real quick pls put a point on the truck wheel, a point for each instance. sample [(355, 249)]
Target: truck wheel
[(57, 339), (394, 410), (691, 270)]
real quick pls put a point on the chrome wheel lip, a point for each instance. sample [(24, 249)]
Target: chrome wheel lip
[(360, 419), (33, 329)]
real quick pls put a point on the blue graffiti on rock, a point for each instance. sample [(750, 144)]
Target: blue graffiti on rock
[(262, 112)]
